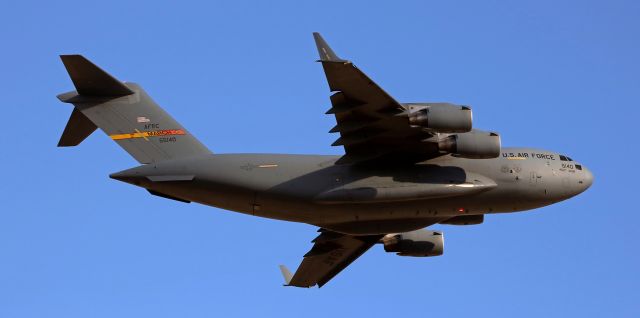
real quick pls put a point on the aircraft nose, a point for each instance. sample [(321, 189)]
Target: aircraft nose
[(587, 178)]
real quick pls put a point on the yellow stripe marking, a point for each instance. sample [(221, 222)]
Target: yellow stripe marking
[(145, 134), (268, 166)]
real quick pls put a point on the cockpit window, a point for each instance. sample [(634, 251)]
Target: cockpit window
[(578, 167), (565, 158)]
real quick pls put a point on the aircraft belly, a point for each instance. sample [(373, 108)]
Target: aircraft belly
[(400, 211)]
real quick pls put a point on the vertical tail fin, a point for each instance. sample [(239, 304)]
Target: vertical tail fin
[(125, 113)]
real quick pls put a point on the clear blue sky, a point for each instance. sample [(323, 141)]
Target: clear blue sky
[(559, 75)]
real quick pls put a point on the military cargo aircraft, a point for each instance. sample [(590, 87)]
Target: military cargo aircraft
[(406, 166)]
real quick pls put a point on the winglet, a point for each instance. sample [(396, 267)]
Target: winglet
[(90, 80), (325, 51), (286, 274)]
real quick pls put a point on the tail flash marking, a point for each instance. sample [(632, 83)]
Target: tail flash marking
[(145, 134)]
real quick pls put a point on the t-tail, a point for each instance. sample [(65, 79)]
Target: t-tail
[(125, 113)]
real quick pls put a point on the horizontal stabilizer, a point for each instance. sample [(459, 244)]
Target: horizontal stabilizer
[(78, 128), (90, 80)]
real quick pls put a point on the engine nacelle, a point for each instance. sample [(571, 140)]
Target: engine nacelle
[(475, 144), (465, 220), (443, 118), (420, 243)]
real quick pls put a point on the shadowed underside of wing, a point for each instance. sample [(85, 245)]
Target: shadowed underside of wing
[(331, 253)]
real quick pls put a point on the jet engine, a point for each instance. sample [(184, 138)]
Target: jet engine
[(420, 243), (476, 144), (443, 118)]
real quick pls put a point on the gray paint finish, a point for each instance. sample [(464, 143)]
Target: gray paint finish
[(293, 187), (402, 170)]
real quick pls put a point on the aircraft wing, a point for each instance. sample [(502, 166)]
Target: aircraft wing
[(331, 253), (371, 123)]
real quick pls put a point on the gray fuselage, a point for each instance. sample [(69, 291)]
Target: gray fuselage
[(366, 200)]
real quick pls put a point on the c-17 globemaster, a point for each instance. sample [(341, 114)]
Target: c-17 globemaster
[(406, 166)]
